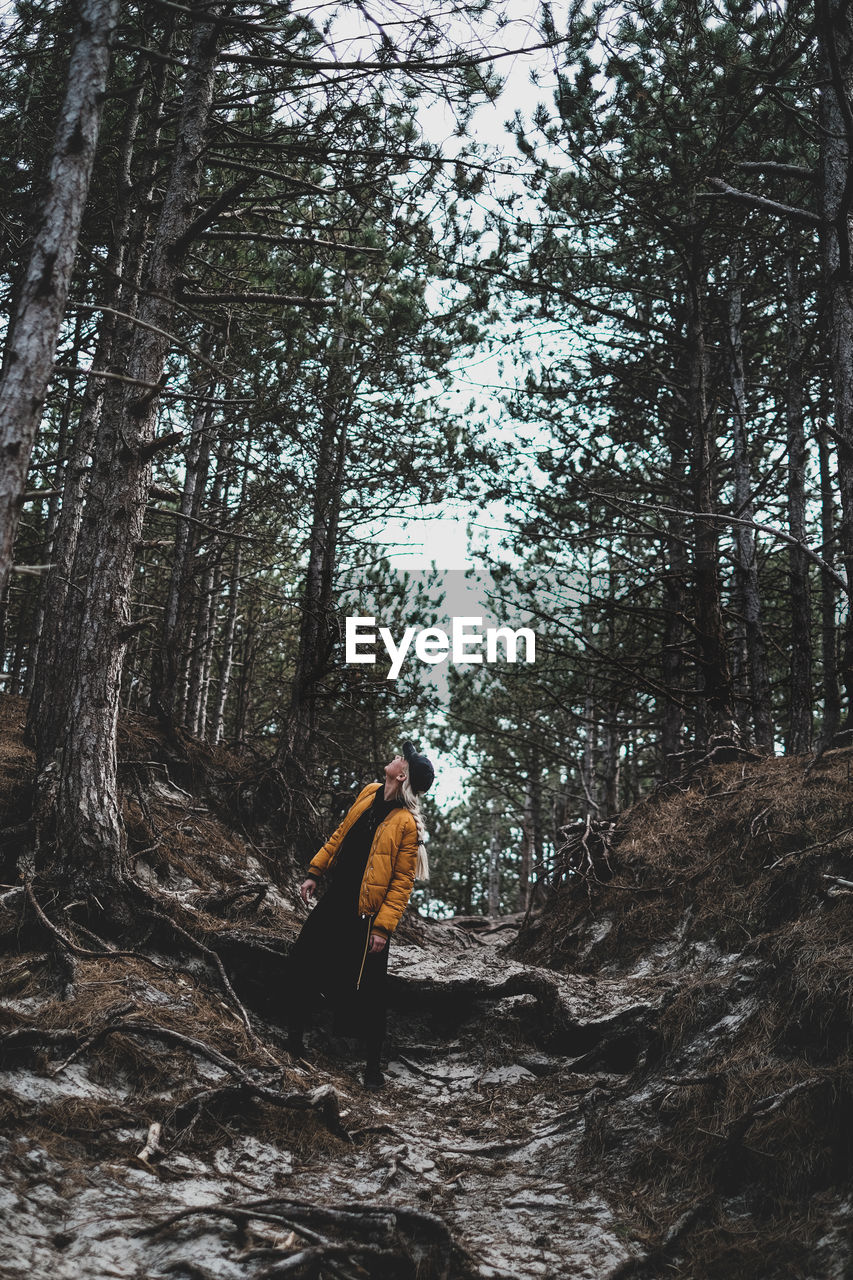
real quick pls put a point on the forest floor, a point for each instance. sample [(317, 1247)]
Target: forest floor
[(653, 1079)]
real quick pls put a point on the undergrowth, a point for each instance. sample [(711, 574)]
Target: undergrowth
[(740, 883)]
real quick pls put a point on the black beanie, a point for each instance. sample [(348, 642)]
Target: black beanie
[(421, 772)]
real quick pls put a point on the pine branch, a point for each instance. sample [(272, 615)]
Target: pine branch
[(161, 443), (720, 517), (307, 241), (267, 299), (209, 215), (793, 212), (778, 170), (459, 62), (203, 524), (143, 324)]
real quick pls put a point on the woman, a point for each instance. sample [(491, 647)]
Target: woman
[(368, 866)]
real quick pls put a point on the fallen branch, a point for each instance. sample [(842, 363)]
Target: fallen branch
[(187, 1042), (323, 1101), (845, 884), (152, 1143)]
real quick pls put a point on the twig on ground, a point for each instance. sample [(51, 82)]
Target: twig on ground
[(152, 1143), (113, 1015)]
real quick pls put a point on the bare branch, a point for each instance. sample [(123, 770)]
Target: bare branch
[(768, 206), (143, 324), (719, 517), (778, 170), (266, 299)]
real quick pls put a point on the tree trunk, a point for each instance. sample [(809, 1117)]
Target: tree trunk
[(227, 662), (248, 653), (799, 736), (715, 712), (315, 638), (207, 664), (205, 636), (828, 628), (527, 850), (835, 33), (588, 779), (90, 831), (41, 307), (494, 907), (675, 577), (746, 567), (170, 663), (53, 506), (230, 624), (58, 635), (206, 606), (610, 729)]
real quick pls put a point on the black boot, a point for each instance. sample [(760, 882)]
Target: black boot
[(373, 1077), (295, 1045)]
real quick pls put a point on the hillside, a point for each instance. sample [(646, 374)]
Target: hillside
[(652, 1079)]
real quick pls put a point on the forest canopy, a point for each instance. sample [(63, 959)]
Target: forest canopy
[(253, 255)]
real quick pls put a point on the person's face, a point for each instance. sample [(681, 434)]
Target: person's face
[(396, 771)]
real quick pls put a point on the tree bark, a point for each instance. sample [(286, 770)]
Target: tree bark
[(62, 610), (53, 506), (167, 694), (828, 629), (799, 736), (746, 567), (835, 34), (41, 307), (89, 826), (715, 711)]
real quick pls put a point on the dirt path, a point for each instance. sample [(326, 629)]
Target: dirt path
[(486, 1112), (495, 1068)]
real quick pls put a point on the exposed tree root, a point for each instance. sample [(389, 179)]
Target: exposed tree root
[(156, 914), (395, 1242), (651, 1265), (91, 1040), (108, 952)]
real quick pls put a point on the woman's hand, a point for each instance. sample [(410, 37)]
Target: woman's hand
[(307, 889), (377, 942)]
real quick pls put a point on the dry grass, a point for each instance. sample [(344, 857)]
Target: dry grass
[(733, 884), (742, 852)]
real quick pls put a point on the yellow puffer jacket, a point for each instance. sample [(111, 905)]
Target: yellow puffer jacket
[(390, 871)]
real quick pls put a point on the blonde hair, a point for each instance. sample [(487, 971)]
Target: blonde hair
[(412, 802)]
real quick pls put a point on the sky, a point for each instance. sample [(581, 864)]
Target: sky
[(449, 535)]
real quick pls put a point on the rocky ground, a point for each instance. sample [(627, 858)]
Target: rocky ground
[(622, 1090)]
